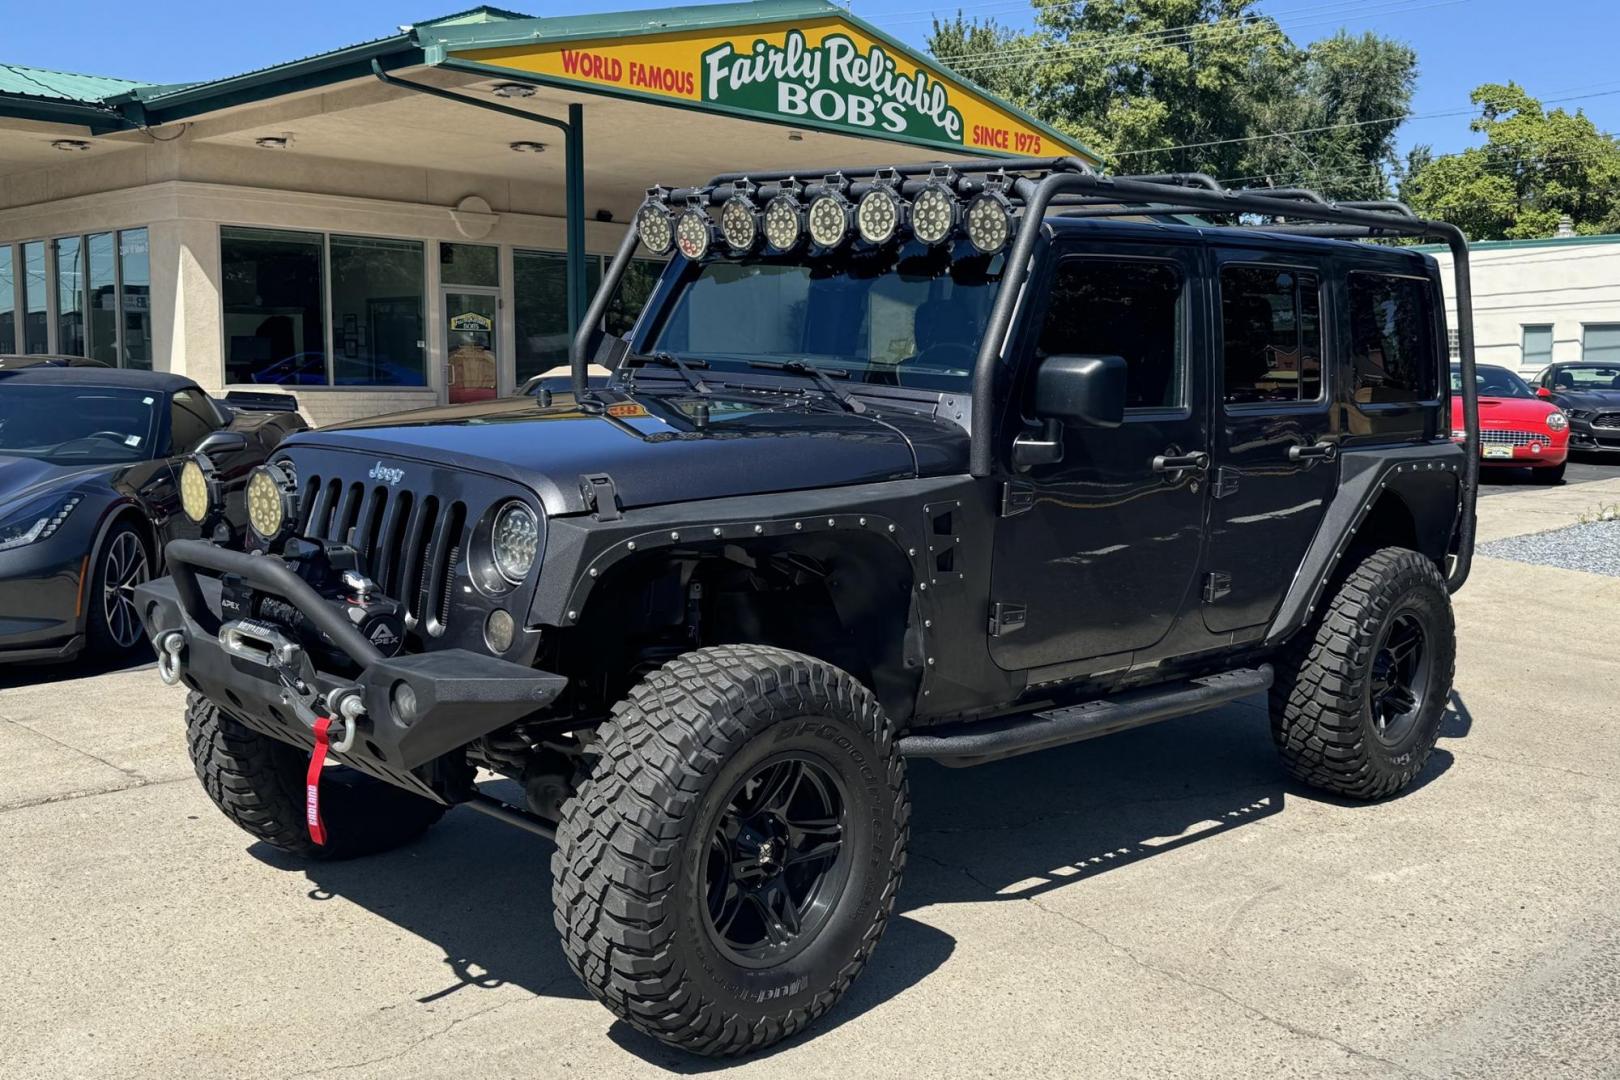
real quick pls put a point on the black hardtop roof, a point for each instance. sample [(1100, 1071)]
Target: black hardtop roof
[(161, 381), (1187, 233)]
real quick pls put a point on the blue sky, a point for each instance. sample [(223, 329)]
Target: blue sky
[(1555, 48)]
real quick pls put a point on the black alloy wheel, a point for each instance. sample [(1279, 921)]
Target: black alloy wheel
[(1400, 678)]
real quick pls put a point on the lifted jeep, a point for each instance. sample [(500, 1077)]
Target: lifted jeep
[(956, 461)]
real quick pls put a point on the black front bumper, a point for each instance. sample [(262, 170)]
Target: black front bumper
[(1586, 438), (458, 695)]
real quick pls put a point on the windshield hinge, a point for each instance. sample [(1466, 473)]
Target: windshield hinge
[(601, 497)]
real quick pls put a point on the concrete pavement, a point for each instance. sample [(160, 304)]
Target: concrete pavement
[(1161, 903)]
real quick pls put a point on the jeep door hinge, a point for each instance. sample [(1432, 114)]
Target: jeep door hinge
[(1217, 584), (1225, 483), (1016, 498), (601, 496), (1005, 618)]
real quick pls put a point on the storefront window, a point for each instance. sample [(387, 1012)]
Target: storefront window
[(36, 329), (135, 270), (275, 331), (377, 337), (540, 304), (469, 264), (103, 311), (70, 295), (8, 301)]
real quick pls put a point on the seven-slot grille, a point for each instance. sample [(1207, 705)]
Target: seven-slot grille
[(1606, 419), (1500, 437), (409, 544)]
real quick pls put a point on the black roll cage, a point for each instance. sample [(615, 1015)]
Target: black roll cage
[(1079, 191)]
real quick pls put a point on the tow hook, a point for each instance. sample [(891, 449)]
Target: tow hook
[(348, 706), (170, 649)]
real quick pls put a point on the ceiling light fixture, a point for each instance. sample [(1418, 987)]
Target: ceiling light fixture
[(526, 147), (273, 142), (512, 90), (71, 144)]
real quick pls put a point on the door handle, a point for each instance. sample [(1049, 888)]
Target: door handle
[(1197, 461), (1322, 451)]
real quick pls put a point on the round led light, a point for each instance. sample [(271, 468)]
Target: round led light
[(933, 214), (692, 233), (196, 490), (266, 512), (989, 222), (515, 541), (654, 227), (829, 220), (784, 223), (877, 215), (499, 630), (739, 224)]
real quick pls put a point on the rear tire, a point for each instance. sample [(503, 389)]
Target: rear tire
[(258, 782), (701, 891), (1361, 689)]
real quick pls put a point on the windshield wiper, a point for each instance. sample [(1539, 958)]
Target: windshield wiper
[(670, 360), (805, 367)]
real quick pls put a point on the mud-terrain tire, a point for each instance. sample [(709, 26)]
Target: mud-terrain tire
[(1337, 703), (258, 782), (653, 852)]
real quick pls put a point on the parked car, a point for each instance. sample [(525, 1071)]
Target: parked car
[(1516, 427), (18, 361), (984, 481), (1589, 394), (90, 461)]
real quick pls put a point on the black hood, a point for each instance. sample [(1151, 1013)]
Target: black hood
[(25, 478), (1587, 399), (661, 448)]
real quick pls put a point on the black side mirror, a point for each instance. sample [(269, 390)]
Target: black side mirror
[(222, 442), (1084, 390)]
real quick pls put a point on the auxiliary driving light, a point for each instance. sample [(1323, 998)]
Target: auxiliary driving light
[(784, 223), (877, 215), (199, 488), (989, 221), (270, 494), (694, 232), (739, 224), (933, 214), (654, 226), (829, 219)]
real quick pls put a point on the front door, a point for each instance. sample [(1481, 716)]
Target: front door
[(1100, 550), (470, 319), (1275, 453)]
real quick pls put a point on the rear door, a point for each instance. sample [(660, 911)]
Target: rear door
[(1098, 552), (1275, 448)]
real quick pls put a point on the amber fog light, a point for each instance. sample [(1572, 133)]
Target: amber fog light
[(199, 490), (498, 631)]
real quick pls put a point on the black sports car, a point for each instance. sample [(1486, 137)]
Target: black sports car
[(1589, 394), (90, 469)]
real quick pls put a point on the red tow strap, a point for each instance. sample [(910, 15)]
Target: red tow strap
[(312, 781)]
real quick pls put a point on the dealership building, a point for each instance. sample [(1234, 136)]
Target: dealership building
[(422, 218)]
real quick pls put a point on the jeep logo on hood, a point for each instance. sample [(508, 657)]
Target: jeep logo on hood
[(389, 476)]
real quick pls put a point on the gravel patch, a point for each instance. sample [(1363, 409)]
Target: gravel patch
[(1593, 547)]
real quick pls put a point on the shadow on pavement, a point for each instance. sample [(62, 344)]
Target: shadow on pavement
[(14, 676), (1013, 830)]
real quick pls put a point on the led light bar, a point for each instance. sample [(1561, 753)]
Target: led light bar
[(784, 220), (694, 233), (654, 224)]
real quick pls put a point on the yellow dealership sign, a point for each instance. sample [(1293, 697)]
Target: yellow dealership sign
[(830, 73)]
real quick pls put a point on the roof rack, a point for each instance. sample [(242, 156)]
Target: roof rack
[(1069, 187)]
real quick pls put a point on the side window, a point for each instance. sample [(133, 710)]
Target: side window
[(191, 419), (1271, 331), (1130, 308), (1391, 338), (1544, 378)]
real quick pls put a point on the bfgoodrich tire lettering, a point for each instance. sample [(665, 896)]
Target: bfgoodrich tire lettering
[(1325, 703), (631, 870)]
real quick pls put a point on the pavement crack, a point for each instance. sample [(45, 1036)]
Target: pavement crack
[(131, 773), (70, 796)]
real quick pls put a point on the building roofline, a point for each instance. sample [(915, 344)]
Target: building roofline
[(1548, 241)]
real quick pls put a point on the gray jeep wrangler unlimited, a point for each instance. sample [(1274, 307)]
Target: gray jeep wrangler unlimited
[(955, 462)]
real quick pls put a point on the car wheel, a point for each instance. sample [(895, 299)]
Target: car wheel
[(113, 624), (1360, 691), (726, 870), (258, 782), (1552, 475)]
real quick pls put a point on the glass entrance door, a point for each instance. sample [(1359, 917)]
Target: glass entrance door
[(469, 344)]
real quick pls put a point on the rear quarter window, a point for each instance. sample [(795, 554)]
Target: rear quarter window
[(1392, 340)]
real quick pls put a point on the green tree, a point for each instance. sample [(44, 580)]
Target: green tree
[(1198, 86), (1534, 168)]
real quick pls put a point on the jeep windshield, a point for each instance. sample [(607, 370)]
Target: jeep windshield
[(900, 316)]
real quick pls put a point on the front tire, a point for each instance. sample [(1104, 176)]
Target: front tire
[(258, 782), (113, 627), (726, 871), (1360, 691), (1550, 474)]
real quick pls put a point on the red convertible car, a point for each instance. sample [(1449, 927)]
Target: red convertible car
[(1516, 428)]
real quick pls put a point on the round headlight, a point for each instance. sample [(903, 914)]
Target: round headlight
[(989, 221), (266, 502), (784, 223), (654, 227), (693, 232), (739, 224), (197, 489), (1557, 421), (877, 215), (829, 220), (514, 541), (933, 214)]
